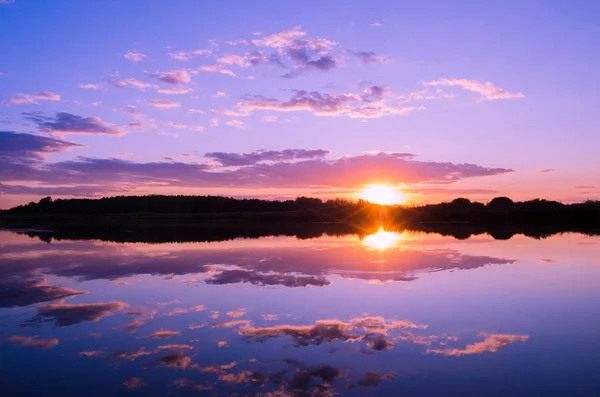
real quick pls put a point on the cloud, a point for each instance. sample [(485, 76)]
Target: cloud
[(163, 334), (369, 57), (492, 343), (235, 123), (176, 347), (185, 383), (163, 103), (376, 25), (290, 49), (585, 187), (545, 170), (90, 86), (22, 145), (64, 314), (371, 330), (217, 69), (90, 353), (18, 291), (174, 77), (67, 123), (372, 379), (33, 98), (362, 106), (269, 119), (134, 56), (134, 383), (488, 91), (175, 91), (138, 84), (344, 172), (187, 55), (240, 159), (172, 360), (32, 341)]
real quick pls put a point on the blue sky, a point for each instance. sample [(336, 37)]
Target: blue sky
[(509, 87)]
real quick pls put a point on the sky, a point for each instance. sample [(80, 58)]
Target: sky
[(276, 99)]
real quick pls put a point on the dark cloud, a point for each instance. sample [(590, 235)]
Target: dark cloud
[(241, 159), (255, 278), (64, 314), (15, 291), (13, 144), (372, 379), (67, 123), (174, 77), (134, 383), (369, 57), (173, 360)]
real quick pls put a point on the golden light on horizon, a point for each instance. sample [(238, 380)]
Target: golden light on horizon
[(382, 240), (382, 194)]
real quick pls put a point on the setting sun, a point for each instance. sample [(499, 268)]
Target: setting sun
[(382, 194)]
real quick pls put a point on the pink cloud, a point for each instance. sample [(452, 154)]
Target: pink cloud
[(163, 103), (134, 56), (138, 84), (235, 123), (175, 91), (33, 341), (492, 343), (217, 69), (33, 98), (488, 91)]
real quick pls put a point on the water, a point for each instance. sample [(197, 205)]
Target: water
[(409, 314)]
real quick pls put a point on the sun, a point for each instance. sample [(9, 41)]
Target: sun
[(382, 194)]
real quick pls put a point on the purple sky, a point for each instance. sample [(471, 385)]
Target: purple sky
[(274, 100)]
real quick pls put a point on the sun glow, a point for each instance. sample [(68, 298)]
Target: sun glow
[(382, 194), (382, 240)]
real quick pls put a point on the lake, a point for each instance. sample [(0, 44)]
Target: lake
[(389, 313)]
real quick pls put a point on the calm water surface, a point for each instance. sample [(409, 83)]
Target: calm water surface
[(393, 314)]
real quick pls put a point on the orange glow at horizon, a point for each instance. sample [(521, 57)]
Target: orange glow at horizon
[(382, 194)]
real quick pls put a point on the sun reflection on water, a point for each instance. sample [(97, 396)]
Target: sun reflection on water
[(382, 240)]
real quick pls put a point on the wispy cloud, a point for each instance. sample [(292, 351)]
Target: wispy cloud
[(175, 91), (492, 343), (488, 91), (163, 103), (90, 86), (369, 104), (33, 98)]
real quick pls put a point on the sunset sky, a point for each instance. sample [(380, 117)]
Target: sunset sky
[(319, 98)]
